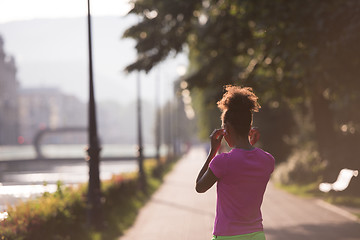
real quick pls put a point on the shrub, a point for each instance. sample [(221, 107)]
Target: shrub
[(304, 166), (52, 216), (62, 215)]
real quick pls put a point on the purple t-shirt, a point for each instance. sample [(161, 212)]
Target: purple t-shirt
[(243, 176)]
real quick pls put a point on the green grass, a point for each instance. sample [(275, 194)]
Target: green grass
[(63, 214), (308, 190), (346, 200)]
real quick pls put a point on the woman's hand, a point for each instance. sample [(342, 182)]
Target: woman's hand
[(216, 137), (254, 135)]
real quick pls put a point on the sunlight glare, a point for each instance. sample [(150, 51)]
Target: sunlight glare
[(26, 191), (3, 216)]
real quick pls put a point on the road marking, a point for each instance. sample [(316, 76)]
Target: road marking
[(337, 210)]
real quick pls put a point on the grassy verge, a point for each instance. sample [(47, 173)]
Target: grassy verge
[(337, 198), (309, 190), (62, 215)]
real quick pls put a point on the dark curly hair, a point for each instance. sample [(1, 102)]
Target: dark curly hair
[(238, 105)]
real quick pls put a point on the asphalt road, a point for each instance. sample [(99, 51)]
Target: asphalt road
[(177, 212), (290, 217)]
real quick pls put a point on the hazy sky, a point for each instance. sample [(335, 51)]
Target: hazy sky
[(39, 59), (12, 10)]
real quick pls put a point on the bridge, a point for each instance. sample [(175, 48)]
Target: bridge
[(40, 158), (41, 133)]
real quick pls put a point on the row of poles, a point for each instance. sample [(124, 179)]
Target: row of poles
[(94, 213)]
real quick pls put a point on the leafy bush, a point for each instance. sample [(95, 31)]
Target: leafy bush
[(304, 166), (63, 215), (52, 216)]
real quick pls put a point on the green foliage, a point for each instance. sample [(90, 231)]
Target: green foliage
[(276, 123), (164, 29), (305, 59), (62, 215), (304, 166), (52, 216)]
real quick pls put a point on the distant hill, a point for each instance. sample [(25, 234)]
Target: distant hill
[(53, 52)]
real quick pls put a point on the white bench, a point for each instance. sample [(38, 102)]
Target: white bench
[(342, 181)]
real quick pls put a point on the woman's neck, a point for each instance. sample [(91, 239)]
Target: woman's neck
[(243, 143)]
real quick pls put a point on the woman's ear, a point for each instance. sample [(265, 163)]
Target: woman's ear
[(254, 135)]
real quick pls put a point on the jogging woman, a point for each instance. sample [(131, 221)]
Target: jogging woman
[(241, 174)]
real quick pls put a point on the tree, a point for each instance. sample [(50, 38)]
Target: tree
[(291, 52)]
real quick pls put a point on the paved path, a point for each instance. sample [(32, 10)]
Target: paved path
[(177, 212)]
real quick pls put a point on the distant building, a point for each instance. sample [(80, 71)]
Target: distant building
[(9, 125), (42, 108)]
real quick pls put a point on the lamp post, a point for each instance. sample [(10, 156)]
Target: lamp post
[(142, 177), (158, 118), (94, 191)]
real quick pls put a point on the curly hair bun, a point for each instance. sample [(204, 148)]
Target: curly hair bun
[(240, 99), (238, 105)]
